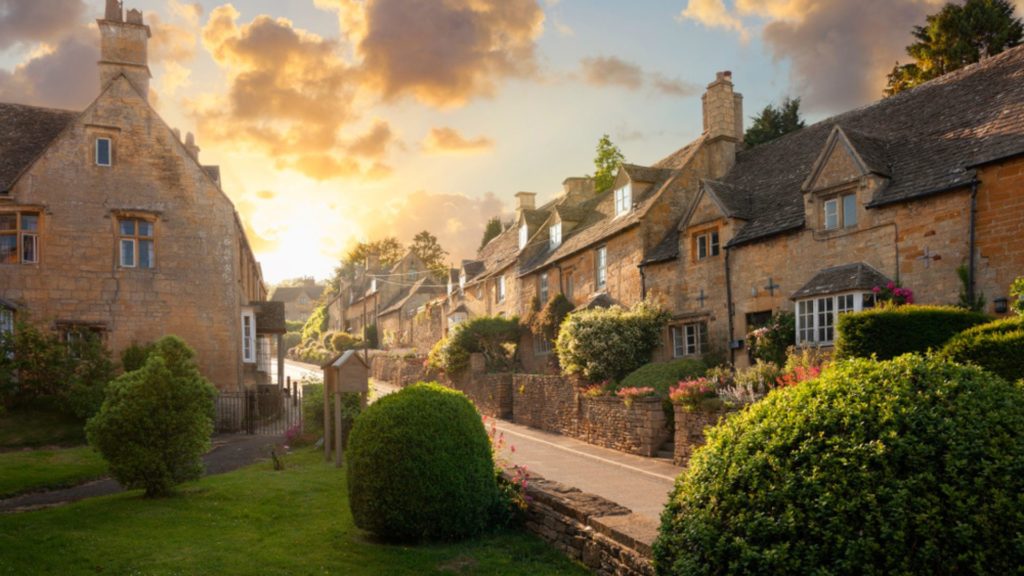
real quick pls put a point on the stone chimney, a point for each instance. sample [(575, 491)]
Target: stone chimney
[(525, 201), (578, 189), (190, 146), (124, 47), (372, 262), (723, 122)]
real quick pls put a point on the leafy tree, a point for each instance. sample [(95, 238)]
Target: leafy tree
[(607, 162), (955, 36), (388, 250), (426, 247), (774, 122), (491, 231)]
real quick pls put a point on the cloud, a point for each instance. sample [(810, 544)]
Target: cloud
[(605, 71), (840, 51), (32, 21), (441, 53), (289, 96), (448, 141), (64, 76)]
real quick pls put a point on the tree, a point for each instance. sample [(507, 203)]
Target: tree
[(491, 231), (388, 250), (955, 36), (774, 122), (607, 162), (426, 247)]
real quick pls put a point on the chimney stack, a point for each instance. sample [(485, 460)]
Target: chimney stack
[(577, 189), (124, 48), (525, 201), (723, 122), (190, 146)]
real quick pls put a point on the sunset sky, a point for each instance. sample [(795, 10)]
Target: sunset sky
[(344, 120)]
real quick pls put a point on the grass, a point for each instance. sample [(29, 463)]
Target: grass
[(252, 521), (31, 470), (31, 427)]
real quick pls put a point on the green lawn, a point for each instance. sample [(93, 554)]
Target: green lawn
[(253, 521), (30, 470), (39, 427)]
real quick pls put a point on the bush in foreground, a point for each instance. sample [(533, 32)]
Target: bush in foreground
[(997, 347), (910, 466), (156, 422), (890, 331), (420, 467)]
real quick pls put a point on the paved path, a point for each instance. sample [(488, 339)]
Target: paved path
[(638, 483), (297, 370), (230, 452)]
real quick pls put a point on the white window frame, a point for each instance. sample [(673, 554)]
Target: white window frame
[(818, 316), (110, 152), (555, 232), (543, 292), (689, 340), (708, 245), (500, 290), (524, 235), (624, 199), (248, 337), (601, 266), (830, 214)]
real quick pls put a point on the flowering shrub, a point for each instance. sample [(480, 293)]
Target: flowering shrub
[(802, 366), (893, 293), (692, 393), (770, 342), (762, 377), (595, 390), (798, 375), (609, 343), (630, 394), (1017, 296)]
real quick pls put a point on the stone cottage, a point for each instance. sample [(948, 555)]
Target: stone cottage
[(299, 301), (111, 226)]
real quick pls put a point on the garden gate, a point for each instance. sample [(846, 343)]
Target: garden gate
[(267, 411)]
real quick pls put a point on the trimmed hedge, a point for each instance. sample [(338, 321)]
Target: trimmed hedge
[(997, 347), (420, 467), (663, 375), (890, 331), (909, 466), (610, 343)]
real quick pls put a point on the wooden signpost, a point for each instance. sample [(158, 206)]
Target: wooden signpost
[(348, 373)]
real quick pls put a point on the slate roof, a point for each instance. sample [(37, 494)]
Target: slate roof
[(498, 254), (473, 268), (845, 278), (25, 132), (403, 298), (290, 293), (926, 139)]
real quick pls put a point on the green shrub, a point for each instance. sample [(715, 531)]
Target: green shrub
[(156, 422), (493, 336), (134, 356), (997, 347), (663, 375), (341, 341), (371, 337), (294, 326), (909, 466), (771, 343), (1017, 296), (313, 407), (420, 467), (91, 372), (891, 331), (291, 340), (609, 343), (548, 320), (315, 325)]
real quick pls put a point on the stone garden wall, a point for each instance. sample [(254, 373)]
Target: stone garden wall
[(690, 426), (492, 393), (399, 370)]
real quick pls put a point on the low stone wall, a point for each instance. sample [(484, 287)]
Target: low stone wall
[(640, 428), (492, 393), (607, 538), (398, 370), (549, 403), (690, 428)]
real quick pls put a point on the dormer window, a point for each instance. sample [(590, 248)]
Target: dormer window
[(104, 152), (840, 211), (556, 235), (462, 281), (623, 199), (708, 245), (524, 235)]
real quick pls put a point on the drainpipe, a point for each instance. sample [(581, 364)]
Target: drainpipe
[(729, 305), (971, 240), (643, 282), (561, 284)]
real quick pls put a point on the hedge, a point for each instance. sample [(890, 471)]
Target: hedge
[(891, 331), (609, 343), (997, 347), (909, 466), (663, 375)]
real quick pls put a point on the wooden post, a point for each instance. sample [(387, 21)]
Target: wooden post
[(327, 417), (338, 459)]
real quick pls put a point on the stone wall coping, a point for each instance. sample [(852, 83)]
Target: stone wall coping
[(652, 400), (572, 502), (632, 530)]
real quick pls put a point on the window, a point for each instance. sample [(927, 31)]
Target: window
[(602, 267), (136, 243), (689, 339), (104, 152), (840, 210), (542, 288), (500, 291), (6, 321), (556, 235), (624, 199), (541, 345), (462, 281), (248, 337), (569, 287), (524, 235), (19, 238), (708, 245), (816, 317)]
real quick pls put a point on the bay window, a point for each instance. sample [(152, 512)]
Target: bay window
[(816, 317)]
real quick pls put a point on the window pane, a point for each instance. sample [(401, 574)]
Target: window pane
[(714, 243), (146, 231), (9, 249), (677, 341), (8, 221), (28, 248), (869, 301), (691, 338), (29, 222), (103, 151), (825, 319), (831, 214), (849, 210), (702, 337), (128, 253), (146, 254), (702, 247), (6, 321), (128, 227)]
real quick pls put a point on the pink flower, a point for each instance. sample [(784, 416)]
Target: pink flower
[(890, 285), (876, 289)]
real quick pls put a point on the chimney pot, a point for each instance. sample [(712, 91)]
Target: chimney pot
[(525, 201), (190, 145)]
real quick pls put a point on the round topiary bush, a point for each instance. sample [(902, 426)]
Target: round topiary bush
[(909, 466), (155, 423), (997, 347), (420, 467)]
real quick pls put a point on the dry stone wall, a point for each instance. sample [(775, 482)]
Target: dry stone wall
[(690, 428)]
